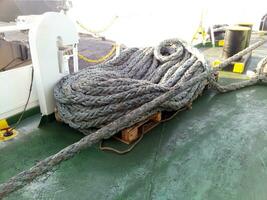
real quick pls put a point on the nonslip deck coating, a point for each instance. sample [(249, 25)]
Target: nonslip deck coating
[(217, 150)]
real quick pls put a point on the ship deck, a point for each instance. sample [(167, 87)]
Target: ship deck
[(217, 150)]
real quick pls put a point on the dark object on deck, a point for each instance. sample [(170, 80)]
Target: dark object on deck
[(242, 53), (219, 31), (249, 25), (235, 40), (263, 24), (8, 133)]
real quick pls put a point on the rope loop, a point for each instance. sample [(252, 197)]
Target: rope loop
[(168, 50)]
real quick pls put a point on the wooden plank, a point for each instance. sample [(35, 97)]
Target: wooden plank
[(129, 135)]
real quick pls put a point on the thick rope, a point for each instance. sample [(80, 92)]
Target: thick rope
[(129, 119), (175, 77), (97, 95), (240, 54), (259, 77)]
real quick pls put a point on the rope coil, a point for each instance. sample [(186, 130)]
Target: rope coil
[(97, 95)]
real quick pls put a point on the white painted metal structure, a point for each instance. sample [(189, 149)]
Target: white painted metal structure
[(51, 36), (53, 39), (14, 87)]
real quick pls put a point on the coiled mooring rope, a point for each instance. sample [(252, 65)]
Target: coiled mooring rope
[(98, 95), (181, 76)]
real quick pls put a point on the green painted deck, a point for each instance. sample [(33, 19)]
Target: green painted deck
[(217, 150)]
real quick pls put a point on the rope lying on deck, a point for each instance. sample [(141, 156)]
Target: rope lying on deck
[(171, 57), (98, 95), (260, 76)]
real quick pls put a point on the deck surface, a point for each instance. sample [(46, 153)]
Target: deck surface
[(217, 150)]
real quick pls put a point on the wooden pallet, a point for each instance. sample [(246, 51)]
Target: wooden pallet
[(129, 135)]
